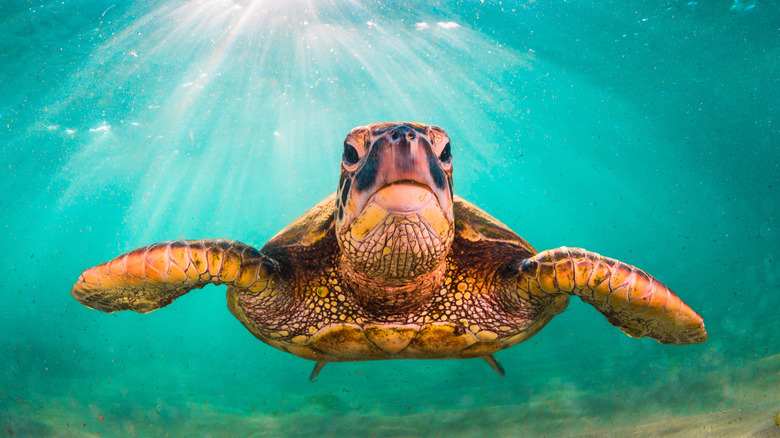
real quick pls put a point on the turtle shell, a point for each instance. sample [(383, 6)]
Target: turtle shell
[(323, 323), (474, 224)]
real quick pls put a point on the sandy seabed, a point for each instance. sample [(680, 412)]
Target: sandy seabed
[(749, 408)]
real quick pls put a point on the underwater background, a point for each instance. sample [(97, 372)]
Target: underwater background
[(647, 131)]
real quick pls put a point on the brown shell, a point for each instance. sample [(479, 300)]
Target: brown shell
[(324, 323), (471, 223), (474, 224), (308, 229)]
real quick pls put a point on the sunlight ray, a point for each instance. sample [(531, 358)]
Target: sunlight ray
[(237, 88)]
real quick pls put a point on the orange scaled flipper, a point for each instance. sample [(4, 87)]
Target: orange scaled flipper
[(152, 277), (631, 299)]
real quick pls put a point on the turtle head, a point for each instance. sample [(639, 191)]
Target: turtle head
[(394, 213)]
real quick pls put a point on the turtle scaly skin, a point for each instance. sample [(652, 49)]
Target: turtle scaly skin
[(393, 266)]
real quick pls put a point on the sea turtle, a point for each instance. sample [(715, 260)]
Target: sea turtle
[(393, 266)]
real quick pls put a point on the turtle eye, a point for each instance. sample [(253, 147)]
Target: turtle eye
[(446, 153), (350, 154)]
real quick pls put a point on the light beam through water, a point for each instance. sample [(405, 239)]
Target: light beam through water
[(229, 96)]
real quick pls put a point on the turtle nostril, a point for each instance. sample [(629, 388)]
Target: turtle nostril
[(403, 132)]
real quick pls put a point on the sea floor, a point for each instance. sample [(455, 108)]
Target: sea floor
[(746, 407)]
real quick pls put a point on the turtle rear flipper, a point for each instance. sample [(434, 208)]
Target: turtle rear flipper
[(631, 299), (152, 277)]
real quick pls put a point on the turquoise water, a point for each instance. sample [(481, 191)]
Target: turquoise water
[(646, 131)]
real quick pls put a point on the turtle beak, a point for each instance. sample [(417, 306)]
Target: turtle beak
[(402, 175), (394, 212)]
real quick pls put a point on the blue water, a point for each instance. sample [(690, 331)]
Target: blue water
[(646, 131)]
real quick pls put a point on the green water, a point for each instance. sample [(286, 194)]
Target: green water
[(646, 131)]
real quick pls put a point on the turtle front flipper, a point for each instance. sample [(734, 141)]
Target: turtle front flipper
[(152, 277), (631, 299)]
